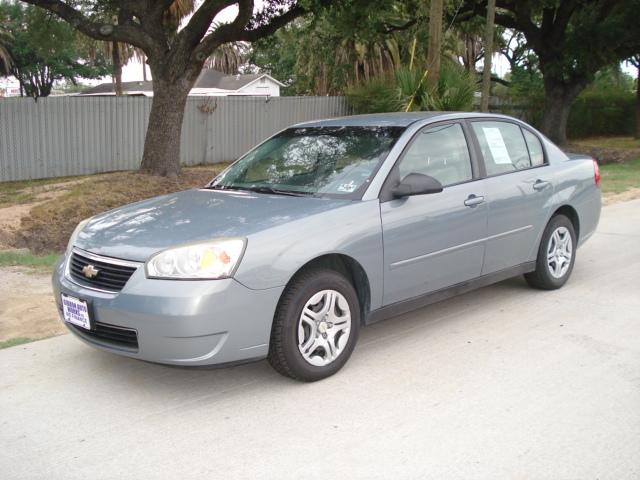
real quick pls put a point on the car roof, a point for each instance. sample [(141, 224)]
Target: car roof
[(395, 119)]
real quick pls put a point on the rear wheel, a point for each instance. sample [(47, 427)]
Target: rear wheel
[(316, 326), (556, 255)]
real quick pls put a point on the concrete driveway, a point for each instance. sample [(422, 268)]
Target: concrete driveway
[(502, 383)]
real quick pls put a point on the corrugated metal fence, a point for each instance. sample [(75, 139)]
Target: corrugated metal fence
[(64, 136)]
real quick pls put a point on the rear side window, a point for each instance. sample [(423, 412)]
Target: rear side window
[(535, 148), (440, 152), (503, 147)]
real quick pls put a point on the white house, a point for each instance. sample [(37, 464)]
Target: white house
[(209, 83), (9, 87)]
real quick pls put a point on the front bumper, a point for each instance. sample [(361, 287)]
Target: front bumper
[(179, 322)]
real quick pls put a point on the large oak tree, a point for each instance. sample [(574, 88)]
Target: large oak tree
[(572, 39), (175, 55)]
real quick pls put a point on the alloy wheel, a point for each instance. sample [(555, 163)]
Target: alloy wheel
[(324, 327), (559, 252)]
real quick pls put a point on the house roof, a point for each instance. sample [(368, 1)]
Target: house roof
[(107, 87), (209, 79)]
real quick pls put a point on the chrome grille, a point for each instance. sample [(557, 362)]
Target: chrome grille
[(111, 274)]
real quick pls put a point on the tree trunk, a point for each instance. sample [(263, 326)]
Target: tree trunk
[(638, 103), (117, 68), (162, 142), (488, 53), (558, 98), (435, 42)]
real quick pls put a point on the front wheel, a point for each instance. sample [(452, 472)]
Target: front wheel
[(315, 327), (556, 255)]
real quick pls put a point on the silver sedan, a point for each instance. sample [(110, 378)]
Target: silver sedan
[(324, 228)]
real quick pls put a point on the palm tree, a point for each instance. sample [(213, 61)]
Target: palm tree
[(177, 11), (370, 59), (120, 54), (488, 47), (356, 62), (5, 57), (436, 9), (228, 58)]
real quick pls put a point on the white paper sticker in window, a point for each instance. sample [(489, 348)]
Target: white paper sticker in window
[(496, 145)]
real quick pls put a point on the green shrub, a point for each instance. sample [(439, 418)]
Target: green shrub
[(412, 89), (454, 91), (602, 113), (407, 90), (377, 96)]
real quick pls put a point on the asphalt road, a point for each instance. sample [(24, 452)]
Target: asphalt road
[(502, 383)]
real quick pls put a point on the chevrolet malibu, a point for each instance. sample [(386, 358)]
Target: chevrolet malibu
[(322, 229)]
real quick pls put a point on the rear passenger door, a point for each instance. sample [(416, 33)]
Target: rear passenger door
[(518, 188), (437, 240)]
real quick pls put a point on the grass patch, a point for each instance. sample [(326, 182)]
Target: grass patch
[(13, 342), (49, 225), (40, 262), (625, 143), (25, 191), (619, 177)]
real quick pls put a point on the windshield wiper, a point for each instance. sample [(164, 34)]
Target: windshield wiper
[(275, 191), (259, 189)]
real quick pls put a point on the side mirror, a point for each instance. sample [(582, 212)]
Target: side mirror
[(416, 184)]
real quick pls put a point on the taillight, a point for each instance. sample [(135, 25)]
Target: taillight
[(596, 172)]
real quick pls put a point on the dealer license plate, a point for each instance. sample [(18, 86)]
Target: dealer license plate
[(76, 311)]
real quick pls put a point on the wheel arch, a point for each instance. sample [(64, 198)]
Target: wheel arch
[(351, 269), (571, 213)]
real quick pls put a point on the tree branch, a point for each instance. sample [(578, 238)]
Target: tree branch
[(275, 23), (157, 10), (389, 28), (129, 33), (228, 32), (200, 23)]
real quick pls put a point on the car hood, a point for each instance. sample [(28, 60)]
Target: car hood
[(137, 231)]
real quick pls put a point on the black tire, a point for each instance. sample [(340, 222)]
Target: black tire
[(284, 355), (542, 278)]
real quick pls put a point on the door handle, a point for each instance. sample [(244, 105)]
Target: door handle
[(540, 185), (473, 200)]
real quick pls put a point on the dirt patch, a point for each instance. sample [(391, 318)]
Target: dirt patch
[(46, 223), (10, 223), (631, 194), (27, 307), (28, 198), (604, 155)]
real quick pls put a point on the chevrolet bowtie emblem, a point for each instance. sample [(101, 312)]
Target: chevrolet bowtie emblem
[(90, 271)]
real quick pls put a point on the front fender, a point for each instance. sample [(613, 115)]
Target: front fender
[(274, 255)]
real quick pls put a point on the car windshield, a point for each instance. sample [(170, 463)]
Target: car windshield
[(331, 161)]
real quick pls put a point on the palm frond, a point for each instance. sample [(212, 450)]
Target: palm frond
[(455, 89), (5, 56), (227, 58)]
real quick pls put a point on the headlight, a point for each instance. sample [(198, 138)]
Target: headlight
[(199, 261), (76, 232)]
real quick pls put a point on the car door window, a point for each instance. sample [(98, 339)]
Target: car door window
[(503, 147), (440, 152), (535, 148)]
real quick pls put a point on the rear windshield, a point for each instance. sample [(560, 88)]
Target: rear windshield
[(331, 161)]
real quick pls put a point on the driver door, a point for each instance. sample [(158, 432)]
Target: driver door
[(437, 240)]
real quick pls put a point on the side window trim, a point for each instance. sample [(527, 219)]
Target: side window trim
[(478, 149), (545, 159), (476, 165)]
